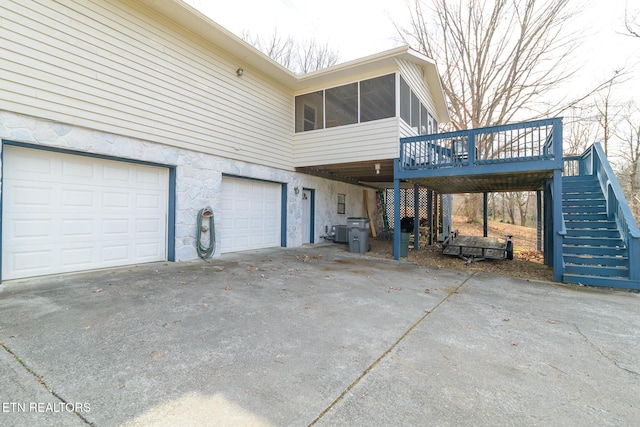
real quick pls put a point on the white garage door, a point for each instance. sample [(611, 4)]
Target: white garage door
[(251, 217), (65, 212)]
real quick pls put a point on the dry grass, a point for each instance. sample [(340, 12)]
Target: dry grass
[(527, 262)]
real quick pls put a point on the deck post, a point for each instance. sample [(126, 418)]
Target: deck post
[(416, 217), (548, 225), (472, 148), (430, 215), (485, 214), (539, 220), (396, 212), (558, 229)]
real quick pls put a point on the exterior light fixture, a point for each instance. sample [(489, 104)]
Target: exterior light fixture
[(239, 72), (377, 166), (296, 190)]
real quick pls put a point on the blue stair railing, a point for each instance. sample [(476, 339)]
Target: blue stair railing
[(594, 162)]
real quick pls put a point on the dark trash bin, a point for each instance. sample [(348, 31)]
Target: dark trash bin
[(358, 230)]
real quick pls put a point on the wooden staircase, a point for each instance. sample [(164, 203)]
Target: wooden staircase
[(593, 251)]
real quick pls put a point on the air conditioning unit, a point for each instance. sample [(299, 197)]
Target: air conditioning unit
[(341, 234)]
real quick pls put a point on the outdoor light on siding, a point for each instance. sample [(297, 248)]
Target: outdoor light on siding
[(296, 190), (377, 166), (239, 72)]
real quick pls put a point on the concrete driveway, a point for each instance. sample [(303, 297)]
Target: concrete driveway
[(315, 336)]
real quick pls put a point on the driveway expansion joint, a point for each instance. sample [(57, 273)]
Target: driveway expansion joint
[(39, 379), (390, 349)]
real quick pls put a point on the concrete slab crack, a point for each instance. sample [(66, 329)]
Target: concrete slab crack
[(603, 354), (388, 351), (42, 382)]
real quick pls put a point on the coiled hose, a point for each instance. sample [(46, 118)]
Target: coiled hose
[(207, 251)]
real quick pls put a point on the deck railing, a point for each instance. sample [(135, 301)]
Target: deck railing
[(594, 162), (537, 140)]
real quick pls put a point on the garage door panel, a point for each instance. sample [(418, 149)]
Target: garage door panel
[(77, 227), (30, 260), (115, 200), (147, 250), (28, 196), (25, 167), (77, 199), (148, 178), (148, 201), (250, 213), (73, 218), (115, 253), (73, 169), (77, 257), (116, 174), (36, 228)]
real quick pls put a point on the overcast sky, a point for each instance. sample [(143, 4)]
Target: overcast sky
[(358, 28)]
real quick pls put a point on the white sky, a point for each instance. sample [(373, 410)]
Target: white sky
[(358, 28), (355, 28)]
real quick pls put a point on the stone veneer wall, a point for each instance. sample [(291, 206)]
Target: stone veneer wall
[(198, 177)]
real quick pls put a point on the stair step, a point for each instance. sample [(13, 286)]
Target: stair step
[(584, 209), (581, 195), (615, 282), (595, 260), (586, 216), (585, 182), (595, 270), (578, 186), (594, 241), (580, 223), (584, 202), (593, 233), (580, 178), (594, 250)]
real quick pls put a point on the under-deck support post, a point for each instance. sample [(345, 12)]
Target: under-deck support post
[(416, 217), (430, 216), (558, 225), (485, 214), (539, 220), (396, 213), (548, 225)]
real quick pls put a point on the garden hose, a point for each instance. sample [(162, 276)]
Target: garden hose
[(207, 251)]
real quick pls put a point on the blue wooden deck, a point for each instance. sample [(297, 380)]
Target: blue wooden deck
[(528, 157), (499, 158)]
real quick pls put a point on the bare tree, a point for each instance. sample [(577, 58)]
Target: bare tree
[(579, 129), (298, 56), (275, 46), (632, 22), (496, 58), (607, 109), (629, 135)]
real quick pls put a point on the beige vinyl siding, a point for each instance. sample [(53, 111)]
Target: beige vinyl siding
[(406, 130), (413, 75), (359, 142), (121, 68)]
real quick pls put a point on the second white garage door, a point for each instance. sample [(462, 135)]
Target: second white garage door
[(251, 215), (65, 212)]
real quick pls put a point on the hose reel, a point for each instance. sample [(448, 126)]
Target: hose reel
[(205, 224)]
